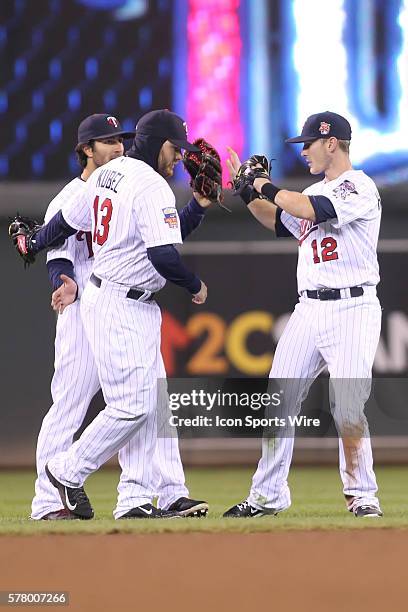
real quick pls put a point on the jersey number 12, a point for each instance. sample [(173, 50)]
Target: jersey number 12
[(103, 215), (328, 250)]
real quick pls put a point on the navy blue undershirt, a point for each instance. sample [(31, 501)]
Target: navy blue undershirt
[(190, 217), (53, 234), (168, 263), (59, 266), (324, 210)]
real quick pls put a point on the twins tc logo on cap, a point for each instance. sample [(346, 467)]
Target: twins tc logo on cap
[(113, 121), (324, 128), (170, 217)]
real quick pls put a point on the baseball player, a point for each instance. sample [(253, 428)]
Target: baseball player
[(75, 379), (337, 320), (127, 355)]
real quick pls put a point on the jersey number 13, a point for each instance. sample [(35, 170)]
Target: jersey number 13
[(103, 215)]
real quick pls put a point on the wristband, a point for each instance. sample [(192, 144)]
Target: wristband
[(270, 191), (248, 194)]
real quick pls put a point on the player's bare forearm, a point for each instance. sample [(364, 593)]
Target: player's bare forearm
[(292, 202), (264, 211), (296, 204)]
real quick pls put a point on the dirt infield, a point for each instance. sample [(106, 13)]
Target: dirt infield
[(309, 571)]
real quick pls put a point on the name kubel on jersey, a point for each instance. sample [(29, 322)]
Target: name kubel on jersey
[(340, 252), (78, 248), (128, 207)]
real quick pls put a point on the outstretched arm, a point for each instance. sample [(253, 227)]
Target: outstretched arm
[(263, 210), (53, 233), (296, 204), (31, 240)]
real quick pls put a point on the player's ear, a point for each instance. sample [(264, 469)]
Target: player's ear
[(88, 149), (332, 144)]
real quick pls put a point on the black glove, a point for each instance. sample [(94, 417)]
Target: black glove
[(21, 231), (204, 168), (255, 167)]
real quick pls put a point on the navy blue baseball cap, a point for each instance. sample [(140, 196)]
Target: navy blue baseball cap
[(165, 124), (99, 126), (324, 125)]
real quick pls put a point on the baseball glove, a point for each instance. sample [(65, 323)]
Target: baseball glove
[(255, 167), (204, 168), (21, 231)]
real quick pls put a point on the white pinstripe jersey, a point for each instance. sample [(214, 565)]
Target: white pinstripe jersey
[(77, 248), (128, 207), (340, 252)]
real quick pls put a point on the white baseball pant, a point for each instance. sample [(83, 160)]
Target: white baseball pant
[(74, 383), (342, 334)]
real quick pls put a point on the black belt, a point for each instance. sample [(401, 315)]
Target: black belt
[(132, 294), (333, 294)]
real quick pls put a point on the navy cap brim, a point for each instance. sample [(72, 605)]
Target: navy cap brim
[(303, 139), (112, 135), (184, 144)]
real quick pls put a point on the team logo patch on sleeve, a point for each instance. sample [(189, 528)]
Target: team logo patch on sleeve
[(344, 189), (170, 216)]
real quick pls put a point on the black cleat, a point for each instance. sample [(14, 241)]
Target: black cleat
[(148, 511), (59, 515), (367, 511), (75, 500), (363, 507), (245, 510), (189, 507)]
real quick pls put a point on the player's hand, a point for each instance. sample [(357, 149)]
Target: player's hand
[(233, 163), (203, 202), (201, 296), (260, 182), (64, 295)]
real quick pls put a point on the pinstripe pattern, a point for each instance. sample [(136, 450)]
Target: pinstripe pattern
[(74, 383), (168, 473), (125, 341), (76, 378), (78, 249), (340, 334), (137, 222), (355, 230)]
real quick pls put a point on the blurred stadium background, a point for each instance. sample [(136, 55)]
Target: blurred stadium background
[(245, 74)]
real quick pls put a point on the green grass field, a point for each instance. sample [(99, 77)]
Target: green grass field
[(317, 503)]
